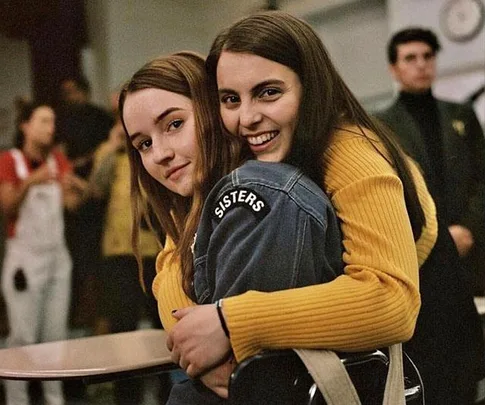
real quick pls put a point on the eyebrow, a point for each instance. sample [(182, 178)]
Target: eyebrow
[(256, 88), (426, 54), (159, 118)]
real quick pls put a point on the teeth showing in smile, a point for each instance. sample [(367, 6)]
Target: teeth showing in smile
[(260, 139)]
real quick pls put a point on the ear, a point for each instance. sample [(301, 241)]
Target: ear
[(393, 71), (22, 126)]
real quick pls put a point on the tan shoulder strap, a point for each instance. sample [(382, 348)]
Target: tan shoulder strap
[(394, 392), (334, 383), (330, 375)]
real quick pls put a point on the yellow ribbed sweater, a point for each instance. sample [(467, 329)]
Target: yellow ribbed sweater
[(374, 304)]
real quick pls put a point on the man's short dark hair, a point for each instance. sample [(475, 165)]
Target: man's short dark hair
[(411, 34)]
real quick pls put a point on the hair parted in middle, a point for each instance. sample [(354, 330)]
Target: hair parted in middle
[(327, 102), (218, 153)]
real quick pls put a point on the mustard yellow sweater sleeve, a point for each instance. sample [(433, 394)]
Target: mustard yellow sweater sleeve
[(376, 301), (167, 286)]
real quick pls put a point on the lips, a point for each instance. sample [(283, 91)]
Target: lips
[(173, 172), (262, 138)]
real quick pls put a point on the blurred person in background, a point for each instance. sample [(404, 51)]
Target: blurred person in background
[(36, 183), (82, 127), (446, 140)]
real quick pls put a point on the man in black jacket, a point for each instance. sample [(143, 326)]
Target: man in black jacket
[(447, 141)]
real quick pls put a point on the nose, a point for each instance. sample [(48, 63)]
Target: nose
[(249, 115), (162, 152), (421, 61)]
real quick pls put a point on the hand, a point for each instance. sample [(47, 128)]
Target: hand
[(463, 239), (197, 341), (40, 175), (217, 379), (82, 161), (74, 183), (75, 191)]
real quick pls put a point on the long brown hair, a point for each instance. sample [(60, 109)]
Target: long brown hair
[(218, 153), (326, 101)]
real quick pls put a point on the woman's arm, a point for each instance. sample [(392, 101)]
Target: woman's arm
[(73, 187), (167, 286), (374, 304), (12, 195)]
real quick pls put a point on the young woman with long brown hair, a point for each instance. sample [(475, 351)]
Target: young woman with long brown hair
[(387, 219), (264, 213)]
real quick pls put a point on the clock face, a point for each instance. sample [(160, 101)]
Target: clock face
[(461, 20)]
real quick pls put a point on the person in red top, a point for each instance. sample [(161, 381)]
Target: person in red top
[(36, 183)]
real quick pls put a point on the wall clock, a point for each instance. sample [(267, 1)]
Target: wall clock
[(462, 20)]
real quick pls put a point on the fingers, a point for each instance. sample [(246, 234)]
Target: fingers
[(183, 361), (175, 357), (169, 342), (184, 364), (192, 370), (221, 391), (217, 379), (174, 352), (180, 313), (197, 342), (177, 314)]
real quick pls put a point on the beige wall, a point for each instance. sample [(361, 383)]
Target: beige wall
[(355, 33), (124, 34), (132, 32)]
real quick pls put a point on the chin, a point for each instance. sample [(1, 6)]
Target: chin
[(271, 157), (186, 192)]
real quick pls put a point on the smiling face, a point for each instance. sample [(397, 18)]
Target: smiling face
[(415, 67), (161, 128), (259, 100)]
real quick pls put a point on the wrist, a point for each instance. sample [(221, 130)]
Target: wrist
[(222, 319)]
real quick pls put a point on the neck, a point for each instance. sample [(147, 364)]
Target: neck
[(36, 152), (416, 93)]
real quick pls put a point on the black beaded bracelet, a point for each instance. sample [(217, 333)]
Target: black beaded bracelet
[(221, 317)]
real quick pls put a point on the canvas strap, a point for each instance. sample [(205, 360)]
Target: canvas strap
[(334, 382)]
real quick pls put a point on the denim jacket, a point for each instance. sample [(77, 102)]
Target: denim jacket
[(265, 227)]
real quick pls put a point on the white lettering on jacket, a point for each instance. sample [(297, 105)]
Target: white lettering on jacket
[(241, 197)]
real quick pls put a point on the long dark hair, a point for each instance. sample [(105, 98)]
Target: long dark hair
[(218, 153), (326, 102)]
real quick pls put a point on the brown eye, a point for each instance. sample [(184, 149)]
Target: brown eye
[(230, 99), (269, 92), (175, 124), (143, 145)]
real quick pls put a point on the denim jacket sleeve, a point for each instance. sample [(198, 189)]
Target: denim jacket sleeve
[(265, 227)]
